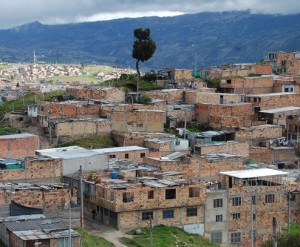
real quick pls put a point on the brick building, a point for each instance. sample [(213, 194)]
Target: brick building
[(272, 100), (171, 96), (231, 115), (111, 94), (18, 145), (65, 129), (247, 85), (195, 97), (136, 138)]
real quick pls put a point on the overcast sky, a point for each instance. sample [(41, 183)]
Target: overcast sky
[(18, 12)]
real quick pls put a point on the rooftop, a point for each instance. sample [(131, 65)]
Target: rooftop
[(268, 94), (282, 109), (119, 149), (17, 136), (254, 173)]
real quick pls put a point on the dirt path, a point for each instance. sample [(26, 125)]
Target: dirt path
[(109, 233)]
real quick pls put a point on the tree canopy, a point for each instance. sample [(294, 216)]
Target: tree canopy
[(143, 47)]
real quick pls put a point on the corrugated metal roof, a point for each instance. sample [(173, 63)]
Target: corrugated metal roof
[(154, 184), (22, 217), (36, 224), (281, 109), (37, 234)]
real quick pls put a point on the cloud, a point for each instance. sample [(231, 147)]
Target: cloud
[(17, 12)]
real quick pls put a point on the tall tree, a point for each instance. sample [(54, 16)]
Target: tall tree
[(143, 47)]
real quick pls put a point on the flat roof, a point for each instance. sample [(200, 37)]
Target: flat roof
[(16, 136), (254, 173), (267, 94), (119, 149), (67, 152), (282, 109)]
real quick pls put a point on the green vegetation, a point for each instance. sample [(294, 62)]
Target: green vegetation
[(8, 130), (213, 82), (164, 236), (295, 228), (196, 127), (90, 142), (66, 79), (89, 240), (5, 66), (95, 69)]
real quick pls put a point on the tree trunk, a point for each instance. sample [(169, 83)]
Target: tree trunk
[(137, 67)]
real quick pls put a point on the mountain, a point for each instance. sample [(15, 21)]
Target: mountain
[(185, 41)]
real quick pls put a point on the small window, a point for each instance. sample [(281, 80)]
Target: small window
[(292, 197), (128, 197), (112, 196), (112, 156), (253, 216), (143, 155), (168, 214), (147, 215), (236, 201), (235, 237), (194, 192), (191, 212), (218, 203), (236, 216), (219, 218), (170, 193), (270, 198), (216, 237), (126, 156), (151, 194), (253, 200)]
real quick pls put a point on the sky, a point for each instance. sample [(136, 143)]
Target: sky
[(17, 12)]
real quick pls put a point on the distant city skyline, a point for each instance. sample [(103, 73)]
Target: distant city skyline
[(18, 12)]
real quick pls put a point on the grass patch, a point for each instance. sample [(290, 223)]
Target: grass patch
[(5, 66), (164, 236), (90, 142), (95, 69), (8, 130), (89, 240), (295, 228), (68, 79)]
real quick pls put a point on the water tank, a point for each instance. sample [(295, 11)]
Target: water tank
[(113, 175)]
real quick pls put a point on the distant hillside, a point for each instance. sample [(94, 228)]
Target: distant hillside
[(205, 39)]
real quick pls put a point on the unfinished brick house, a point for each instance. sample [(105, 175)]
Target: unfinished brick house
[(272, 100), (136, 138), (35, 169), (256, 134), (284, 84), (247, 85), (66, 109), (18, 145), (66, 129), (245, 69), (171, 96), (254, 198), (232, 147), (231, 115), (132, 153), (111, 94), (126, 204), (195, 97), (293, 123), (138, 120), (278, 116), (179, 115)]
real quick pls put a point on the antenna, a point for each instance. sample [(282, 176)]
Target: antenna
[(34, 58)]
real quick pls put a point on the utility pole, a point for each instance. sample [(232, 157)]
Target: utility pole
[(70, 235), (151, 232), (289, 212), (185, 124), (274, 232), (81, 196), (252, 237)]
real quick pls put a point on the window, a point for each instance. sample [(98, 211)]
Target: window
[(270, 198), (253, 200), (112, 196), (168, 214), (151, 194), (170, 193), (237, 201), (219, 218), (126, 156), (128, 197), (147, 215), (194, 192), (191, 212), (216, 237), (236, 216), (253, 216), (112, 156), (218, 203), (143, 155), (235, 237)]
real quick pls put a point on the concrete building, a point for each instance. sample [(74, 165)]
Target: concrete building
[(73, 157), (195, 97)]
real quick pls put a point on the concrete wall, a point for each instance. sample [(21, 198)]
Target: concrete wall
[(195, 97)]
